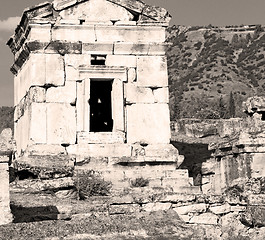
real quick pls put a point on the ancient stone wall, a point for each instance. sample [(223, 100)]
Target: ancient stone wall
[(6, 148)]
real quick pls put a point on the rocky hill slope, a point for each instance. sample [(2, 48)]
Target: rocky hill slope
[(212, 70)]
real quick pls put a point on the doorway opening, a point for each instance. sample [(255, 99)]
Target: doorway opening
[(100, 106)]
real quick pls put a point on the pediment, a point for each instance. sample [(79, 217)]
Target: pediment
[(96, 11)]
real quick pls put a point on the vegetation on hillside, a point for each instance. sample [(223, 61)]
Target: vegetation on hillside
[(6, 118), (212, 70)]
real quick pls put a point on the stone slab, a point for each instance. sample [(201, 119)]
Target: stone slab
[(136, 94), (55, 70), (97, 48), (100, 150), (64, 94), (161, 95), (121, 60), (153, 207), (61, 123), (100, 137), (148, 123), (40, 32), (38, 123), (152, 71), (125, 48), (194, 208), (205, 218)]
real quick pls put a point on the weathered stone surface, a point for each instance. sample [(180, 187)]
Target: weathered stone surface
[(64, 94), (61, 124), (161, 95), (195, 208), (38, 123), (100, 150), (84, 33), (125, 48), (42, 149), (142, 119), (257, 165), (255, 199), (221, 209), (100, 137), (37, 94), (175, 198), (152, 207), (205, 218), (121, 60), (54, 70), (63, 47), (40, 33), (208, 167), (97, 48), (133, 34), (152, 72), (6, 141), (135, 94), (97, 10)]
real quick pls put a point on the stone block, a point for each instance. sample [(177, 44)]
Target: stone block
[(38, 123), (256, 199), (124, 209), (121, 60), (100, 150), (161, 95), (194, 208), (65, 94), (134, 34), (45, 149), (221, 209), (97, 48), (60, 5), (176, 198), (97, 10), (157, 49), (187, 189), (205, 218), (135, 94), (37, 72), (54, 70), (175, 183), (40, 32), (100, 137), (152, 71), (178, 173), (61, 124), (63, 47), (153, 207), (82, 33), (238, 208), (125, 48), (148, 123)]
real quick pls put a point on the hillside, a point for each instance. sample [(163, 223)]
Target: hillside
[(212, 70), (6, 118)]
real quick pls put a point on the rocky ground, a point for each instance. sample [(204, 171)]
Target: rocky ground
[(44, 215)]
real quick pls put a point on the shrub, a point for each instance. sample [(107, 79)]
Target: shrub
[(140, 182), (89, 184)]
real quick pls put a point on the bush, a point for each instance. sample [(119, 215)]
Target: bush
[(140, 182), (89, 184)]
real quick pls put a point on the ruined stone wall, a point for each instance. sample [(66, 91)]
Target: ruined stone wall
[(6, 148)]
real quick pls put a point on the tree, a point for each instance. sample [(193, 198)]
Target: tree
[(232, 106), (222, 108)]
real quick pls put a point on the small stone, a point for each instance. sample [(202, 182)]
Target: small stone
[(205, 218)]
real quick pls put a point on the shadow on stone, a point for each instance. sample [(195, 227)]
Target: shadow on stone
[(195, 154), (34, 214)]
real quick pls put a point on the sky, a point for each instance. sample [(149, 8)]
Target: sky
[(184, 12)]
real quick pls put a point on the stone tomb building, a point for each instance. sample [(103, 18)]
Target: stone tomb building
[(91, 85)]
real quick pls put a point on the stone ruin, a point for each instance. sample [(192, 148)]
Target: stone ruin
[(6, 149), (91, 91)]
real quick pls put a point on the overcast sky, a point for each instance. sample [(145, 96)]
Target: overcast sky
[(184, 12)]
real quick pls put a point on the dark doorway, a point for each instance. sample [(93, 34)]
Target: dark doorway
[(100, 106)]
